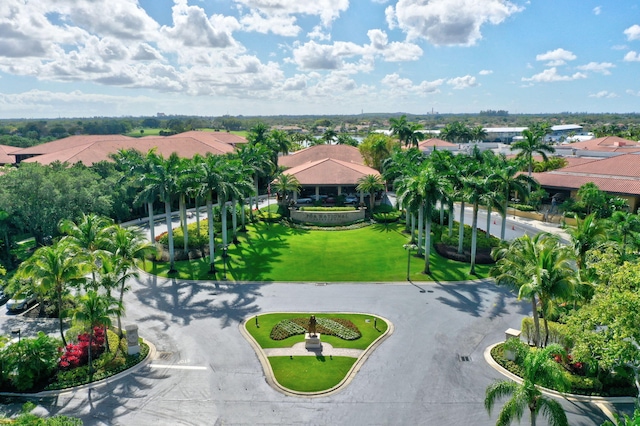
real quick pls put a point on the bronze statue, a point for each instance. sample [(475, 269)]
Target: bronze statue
[(312, 325)]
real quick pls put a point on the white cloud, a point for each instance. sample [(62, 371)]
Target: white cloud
[(556, 57), (398, 86), (597, 10), (192, 28), (390, 17), (633, 92), (283, 25), (601, 67), (464, 82), (485, 72), (394, 51), (444, 22), (633, 32), (619, 47), (326, 10), (551, 75), (603, 94), (632, 56)]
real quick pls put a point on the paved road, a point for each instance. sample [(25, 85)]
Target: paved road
[(205, 373)]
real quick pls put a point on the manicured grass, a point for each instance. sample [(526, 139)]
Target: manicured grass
[(267, 321), (309, 373), (271, 252)]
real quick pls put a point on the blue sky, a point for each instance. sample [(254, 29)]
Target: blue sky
[(85, 58)]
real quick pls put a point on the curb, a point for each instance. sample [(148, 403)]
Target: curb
[(270, 377), (599, 401), (151, 355)]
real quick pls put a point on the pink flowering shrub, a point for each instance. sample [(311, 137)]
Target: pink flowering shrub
[(77, 354)]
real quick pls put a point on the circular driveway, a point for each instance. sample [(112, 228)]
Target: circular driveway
[(205, 373)]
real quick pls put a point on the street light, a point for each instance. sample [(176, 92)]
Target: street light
[(515, 200), (409, 247), (17, 331)]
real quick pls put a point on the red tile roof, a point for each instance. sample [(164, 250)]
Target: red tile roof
[(627, 165), (607, 143), (610, 185), (318, 152), (66, 143), (435, 142), (5, 158), (329, 171)]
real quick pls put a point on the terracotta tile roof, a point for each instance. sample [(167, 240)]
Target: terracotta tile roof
[(318, 152), (610, 185), (577, 161), (627, 165), (66, 143), (329, 171), (607, 143), (435, 142), (211, 137), (93, 152), (5, 158)]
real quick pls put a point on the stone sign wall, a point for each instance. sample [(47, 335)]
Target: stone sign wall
[(327, 217)]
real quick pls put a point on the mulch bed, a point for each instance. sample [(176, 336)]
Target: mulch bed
[(483, 256)]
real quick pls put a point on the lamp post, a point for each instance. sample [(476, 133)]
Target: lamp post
[(224, 262), (18, 332), (409, 247), (515, 200)]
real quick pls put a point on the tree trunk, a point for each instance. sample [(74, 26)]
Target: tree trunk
[(461, 229), (420, 227), (532, 413), (167, 214), (64, 341), (474, 238), (536, 322), (427, 240), (488, 222), (450, 219), (234, 220), (152, 229), (413, 227), (211, 239), (185, 225), (223, 220), (504, 218)]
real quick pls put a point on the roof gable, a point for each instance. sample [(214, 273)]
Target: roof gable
[(318, 152), (329, 171)]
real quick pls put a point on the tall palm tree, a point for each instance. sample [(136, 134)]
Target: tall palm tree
[(532, 143), (91, 234), (587, 234), (400, 128), (476, 191), (539, 368), (284, 184), (414, 135), (506, 178), (625, 225), (370, 184), (478, 134), (258, 133), (53, 269), (185, 182), (433, 187), (410, 192), (128, 245), (329, 136), (540, 269), (94, 310), (280, 143), (257, 157), (162, 179)]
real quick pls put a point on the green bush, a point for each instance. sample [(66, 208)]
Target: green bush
[(522, 207), (338, 327), (388, 217), (271, 217), (327, 209), (558, 333), (482, 242), (29, 362)]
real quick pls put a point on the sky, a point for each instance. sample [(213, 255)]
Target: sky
[(87, 58)]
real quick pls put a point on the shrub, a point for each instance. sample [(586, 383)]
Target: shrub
[(558, 333), (387, 217), (270, 217), (522, 207), (338, 327), (77, 354), (29, 362), (482, 241), (327, 209)]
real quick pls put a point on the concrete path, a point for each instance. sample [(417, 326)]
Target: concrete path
[(299, 350)]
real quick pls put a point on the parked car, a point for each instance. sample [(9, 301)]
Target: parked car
[(318, 197), (20, 302), (3, 296), (304, 200), (350, 199)]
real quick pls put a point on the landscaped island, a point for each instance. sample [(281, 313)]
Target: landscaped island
[(347, 339)]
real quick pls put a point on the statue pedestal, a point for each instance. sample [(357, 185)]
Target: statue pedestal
[(312, 341)]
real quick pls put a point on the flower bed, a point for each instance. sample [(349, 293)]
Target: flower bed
[(338, 327)]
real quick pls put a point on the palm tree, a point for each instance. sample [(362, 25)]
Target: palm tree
[(280, 143), (257, 157), (258, 133), (128, 245), (476, 191), (532, 143), (284, 184), (53, 268), (185, 182), (4, 230), (539, 368), (94, 310), (91, 234), (329, 136), (400, 128), (456, 132), (587, 234), (370, 184), (625, 225), (410, 191), (539, 268), (414, 136), (433, 187), (506, 178), (210, 171), (162, 179), (478, 134)]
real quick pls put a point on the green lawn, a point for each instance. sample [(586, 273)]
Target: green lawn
[(267, 321), (271, 252), (309, 373)]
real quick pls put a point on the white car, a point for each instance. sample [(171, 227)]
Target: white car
[(304, 200)]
